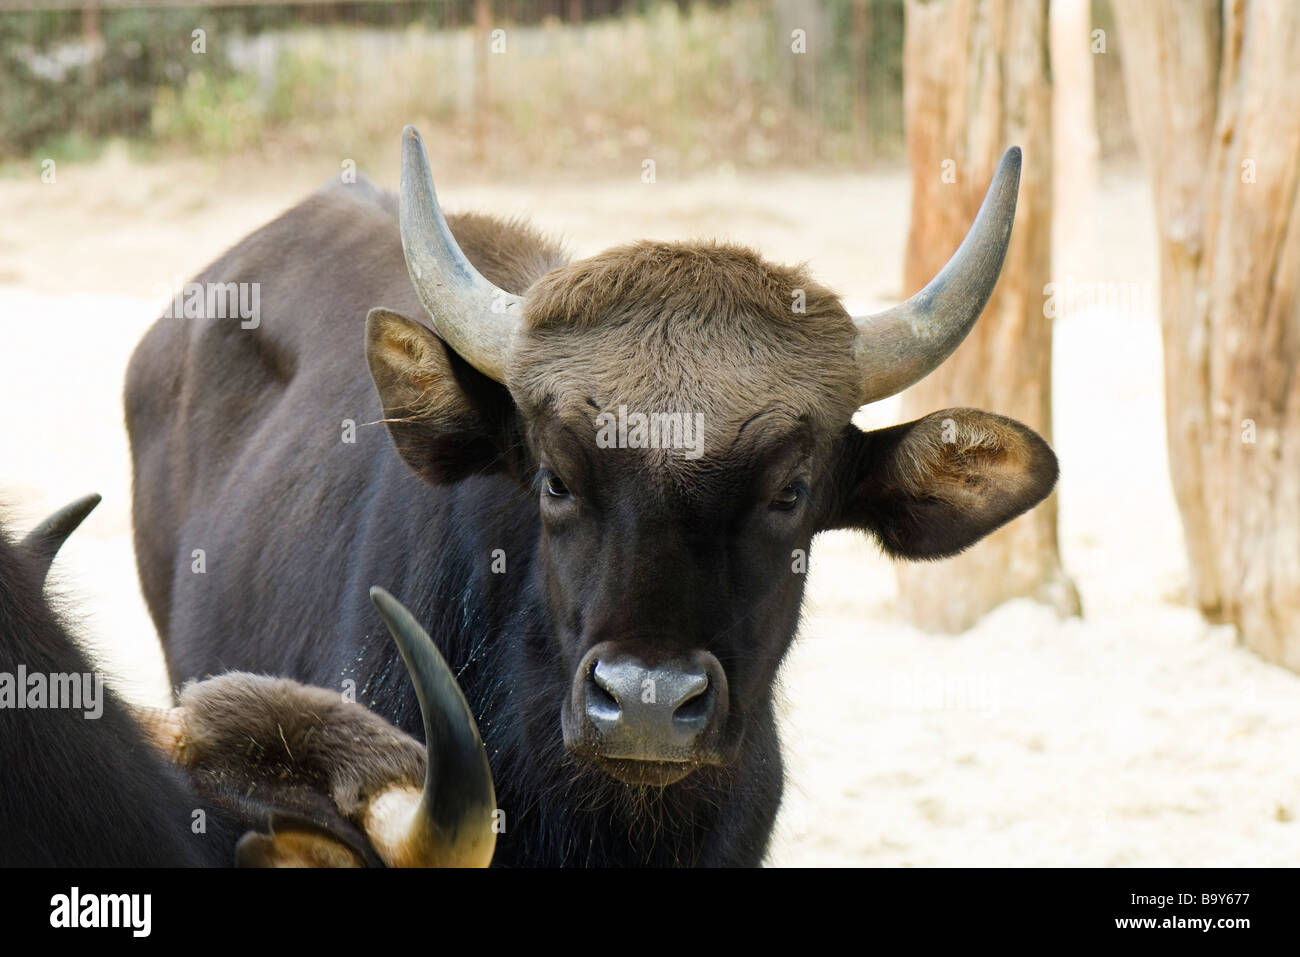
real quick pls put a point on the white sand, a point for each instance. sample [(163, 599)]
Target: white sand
[(1135, 736)]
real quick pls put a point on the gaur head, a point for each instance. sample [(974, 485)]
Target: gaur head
[(680, 413)]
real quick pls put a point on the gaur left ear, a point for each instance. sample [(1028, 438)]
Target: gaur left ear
[(930, 488), (446, 419)]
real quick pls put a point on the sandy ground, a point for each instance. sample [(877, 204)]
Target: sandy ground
[(1135, 736)]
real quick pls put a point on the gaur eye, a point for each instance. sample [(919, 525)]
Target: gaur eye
[(554, 487), (788, 497)]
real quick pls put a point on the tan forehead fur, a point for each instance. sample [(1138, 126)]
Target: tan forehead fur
[(699, 327)]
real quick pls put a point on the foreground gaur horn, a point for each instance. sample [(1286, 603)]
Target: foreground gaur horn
[(450, 823), (473, 316), (894, 349), (900, 346), (44, 541)]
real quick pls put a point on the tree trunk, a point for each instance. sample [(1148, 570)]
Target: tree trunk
[(1171, 69), (976, 80), (482, 94), (1074, 137), (861, 53), (1231, 308)]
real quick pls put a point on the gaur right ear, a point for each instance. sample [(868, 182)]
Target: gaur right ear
[(930, 488), (446, 419)]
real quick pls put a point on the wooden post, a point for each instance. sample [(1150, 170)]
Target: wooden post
[(860, 50), (482, 94), (1223, 151), (976, 80), (1171, 59), (93, 38), (1074, 136)]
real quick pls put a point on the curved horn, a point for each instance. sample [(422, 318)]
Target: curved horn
[(44, 541), (475, 318), (450, 823), (902, 345)]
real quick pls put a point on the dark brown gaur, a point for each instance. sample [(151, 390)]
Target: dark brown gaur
[(616, 613)]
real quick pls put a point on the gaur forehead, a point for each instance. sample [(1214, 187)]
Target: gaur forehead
[(690, 328)]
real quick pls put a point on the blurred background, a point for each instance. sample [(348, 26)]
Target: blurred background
[(1110, 680), (573, 85)]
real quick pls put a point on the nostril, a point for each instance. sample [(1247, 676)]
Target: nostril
[(697, 707), (601, 703)]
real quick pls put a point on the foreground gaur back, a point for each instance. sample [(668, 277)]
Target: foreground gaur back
[(79, 791), (246, 769), (602, 480)]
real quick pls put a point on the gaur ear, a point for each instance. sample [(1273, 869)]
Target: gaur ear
[(297, 842), (446, 419), (930, 488)]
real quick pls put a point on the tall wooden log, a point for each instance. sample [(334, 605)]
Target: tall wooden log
[(1171, 71), (976, 79), (1217, 115)]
